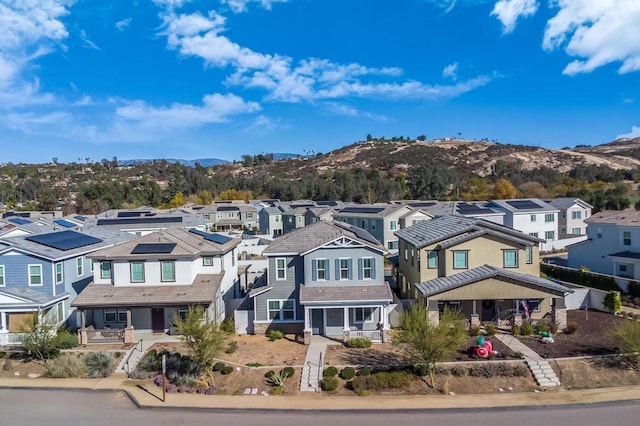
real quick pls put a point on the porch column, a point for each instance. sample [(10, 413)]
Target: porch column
[(129, 318), (433, 312), (386, 335), (559, 313), (307, 326), (83, 339), (3, 322), (345, 324), (129, 335)]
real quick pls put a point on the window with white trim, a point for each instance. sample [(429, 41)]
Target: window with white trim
[(532, 304), (576, 231), (168, 271), (528, 254), (137, 272), (2, 282), (533, 217), (281, 310), (576, 215), (344, 269), (35, 275), (393, 225), (432, 259), (59, 273), (281, 269), (207, 261), (549, 235), (80, 266), (361, 315), (182, 312), (626, 238), (533, 234), (549, 217), (367, 268), (105, 270), (321, 269), (115, 315)]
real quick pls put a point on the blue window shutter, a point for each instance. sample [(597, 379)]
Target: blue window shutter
[(350, 269), (314, 270), (337, 269), (360, 277), (373, 268)]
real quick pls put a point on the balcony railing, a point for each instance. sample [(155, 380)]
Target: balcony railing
[(11, 339), (373, 335), (105, 335)]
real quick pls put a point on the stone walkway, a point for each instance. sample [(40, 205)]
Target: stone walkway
[(540, 368)]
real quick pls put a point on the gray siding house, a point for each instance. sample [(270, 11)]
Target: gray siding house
[(324, 279)]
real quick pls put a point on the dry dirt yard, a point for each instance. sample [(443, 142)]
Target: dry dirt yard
[(597, 372)]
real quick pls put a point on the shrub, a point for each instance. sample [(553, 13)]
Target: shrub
[(483, 370), (276, 378), (364, 371), (67, 340), (218, 366), (421, 370), (287, 372), (253, 364), (231, 347), (8, 365), (359, 342), (273, 335), (278, 390), (518, 355), (526, 329), (636, 317), (329, 384), (150, 362), (572, 327), (181, 379), (384, 380), (458, 371), (269, 374), (227, 369), (474, 330), (612, 301), (228, 325), (490, 330), (330, 372), (99, 364), (3, 354), (348, 373), (65, 367), (515, 330)]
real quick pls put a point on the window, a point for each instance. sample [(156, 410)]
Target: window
[(281, 310), (207, 261), (182, 312), (576, 215), (528, 254), (622, 268), (168, 270), (510, 258), (392, 245), (599, 233), (373, 225), (233, 257), (80, 266), (137, 272), (393, 225), (299, 218), (549, 217), (533, 234), (549, 235), (343, 269), (249, 215), (321, 269), (35, 274), (626, 238), (277, 218), (576, 231), (460, 259), (59, 273), (1, 275), (412, 256), (362, 315), (532, 304), (564, 231), (91, 266), (367, 268), (281, 269), (432, 259), (533, 218), (115, 315), (406, 253), (59, 312), (451, 305), (105, 270)]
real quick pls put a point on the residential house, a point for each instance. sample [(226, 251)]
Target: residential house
[(316, 214), (144, 283), (228, 216), (270, 220), (531, 216), (572, 216), (45, 272), (612, 245), (145, 220), (293, 219), (324, 279), (480, 267), (380, 220)]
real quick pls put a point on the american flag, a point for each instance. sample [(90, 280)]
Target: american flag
[(525, 306)]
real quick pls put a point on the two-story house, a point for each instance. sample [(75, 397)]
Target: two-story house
[(144, 220), (572, 216), (293, 219), (227, 216), (612, 245), (324, 279), (531, 216), (45, 272), (480, 267), (380, 220), (270, 220), (144, 283)]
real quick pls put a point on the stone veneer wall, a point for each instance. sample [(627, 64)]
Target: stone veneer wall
[(286, 327)]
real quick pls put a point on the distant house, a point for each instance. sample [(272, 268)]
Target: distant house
[(270, 220), (316, 214), (144, 220), (143, 284), (324, 279), (293, 219), (480, 267), (228, 216), (572, 216), (45, 272)]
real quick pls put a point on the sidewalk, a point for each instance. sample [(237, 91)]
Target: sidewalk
[(149, 396)]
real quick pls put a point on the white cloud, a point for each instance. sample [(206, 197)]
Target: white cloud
[(451, 71), (239, 6), (86, 42), (634, 133), (509, 11), (123, 24), (349, 111), (599, 31)]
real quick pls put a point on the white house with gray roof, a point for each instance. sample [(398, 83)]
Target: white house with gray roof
[(324, 279), (572, 216), (145, 220)]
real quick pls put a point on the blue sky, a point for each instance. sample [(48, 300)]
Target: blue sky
[(223, 78)]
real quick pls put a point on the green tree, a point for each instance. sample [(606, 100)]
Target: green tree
[(427, 344), (626, 336), (40, 339)]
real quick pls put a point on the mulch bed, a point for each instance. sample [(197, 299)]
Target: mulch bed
[(591, 338)]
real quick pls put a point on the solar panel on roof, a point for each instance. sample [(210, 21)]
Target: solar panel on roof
[(64, 223), (130, 214), (365, 210), (227, 208), (524, 205), (82, 218), (362, 234), (139, 220), (153, 248), (216, 238), (64, 240), (19, 220), (466, 208), (422, 204)]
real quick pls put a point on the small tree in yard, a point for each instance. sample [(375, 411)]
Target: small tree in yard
[(626, 337), (427, 344), (203, 337), (41, 338)]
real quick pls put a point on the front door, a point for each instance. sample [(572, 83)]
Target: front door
[(157, 320), (488, 310), (317, 322)]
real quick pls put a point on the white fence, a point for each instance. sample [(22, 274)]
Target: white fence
[(11, 339), (373, 335), (561, 244)]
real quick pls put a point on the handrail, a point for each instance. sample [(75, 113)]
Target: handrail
[(320, 364), (126, 362)]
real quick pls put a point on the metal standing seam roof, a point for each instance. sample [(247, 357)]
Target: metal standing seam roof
[(481, 273), (202, 291), (317, 234), (345, 293), (32, 297)]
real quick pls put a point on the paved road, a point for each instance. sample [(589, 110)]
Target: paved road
[(64, 408)]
